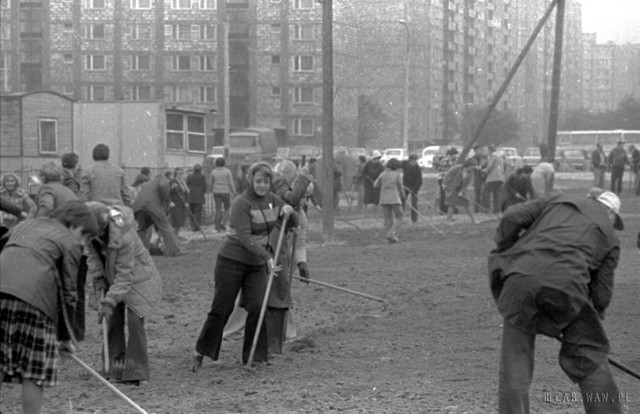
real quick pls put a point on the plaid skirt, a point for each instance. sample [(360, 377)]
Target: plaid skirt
[(28, 349)]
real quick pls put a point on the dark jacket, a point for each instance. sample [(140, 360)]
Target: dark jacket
[(411, 177), (51, 196), (564, 260), (154, 196), (517, 189), (39, 266), (197, 183), (9, 207), (71, 180), (372, 169)]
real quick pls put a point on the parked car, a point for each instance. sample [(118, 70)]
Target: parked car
[(531, 156), (570, 159), (358, 151), (398, 153), (309, 151), (511, 156), (340, 150), (426, 159)]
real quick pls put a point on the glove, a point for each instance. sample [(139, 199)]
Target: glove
[(105, 311), (304, 271)]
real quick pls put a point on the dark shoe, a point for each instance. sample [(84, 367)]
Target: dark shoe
[(196, 362), (392, 240), (135, 383)]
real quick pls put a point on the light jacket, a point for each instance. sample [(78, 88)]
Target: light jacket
[(495, 168), (125, 265), (104, 182), (390, 184)]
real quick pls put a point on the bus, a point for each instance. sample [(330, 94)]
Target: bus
[(587, 139)]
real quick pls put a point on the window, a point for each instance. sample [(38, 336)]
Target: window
[(140, 93), (48, 135), (141, 31), (140, 4), (96, 4), (179, 94), (94, 93), (181, 63), (303, 32), (303, 95), (175, 132), (68, 27), (140, 62), (275, 59), (207, 94), (5, 32), (4, 65), (208, 4), (5, 4), (207, 31), (180, 31), (195, 134), (68, 90), (180, 4), (95, 62), (303, 63), (275, 28), (207, 63), (67, 58), (302, 4), (303, 126), (276, 91), (93, 31)]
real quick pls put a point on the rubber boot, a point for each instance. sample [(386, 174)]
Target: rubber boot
[(274, 321)]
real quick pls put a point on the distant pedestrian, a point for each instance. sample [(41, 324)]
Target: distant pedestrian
[(444, 165), (179, 193), (494, 172), (635, 167), (598, 166), (223, 189), (552, 274), (455, 184), (372, 169), (14, 193), (358, 181), (71, 172), (391, 198), (197, 184), (412, 181), (518, 188), (103, 181), (337, 183), (617, 161), (480, 157)]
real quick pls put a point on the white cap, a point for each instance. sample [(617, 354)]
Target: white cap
[(376, 154), (612, 201)]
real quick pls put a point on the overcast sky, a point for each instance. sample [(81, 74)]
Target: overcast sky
[(613, 20)]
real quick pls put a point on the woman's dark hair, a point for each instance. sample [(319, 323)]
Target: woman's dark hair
[(145, 171), (220, 162), (260, 167), (168, 174), (101, 152), (362, 158), (177, 170), (197, 168), (74, 214), (524, 170), (393, 164), (70, 160)]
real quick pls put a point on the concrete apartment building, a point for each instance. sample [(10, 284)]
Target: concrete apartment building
[(610, 72), (173, 51)]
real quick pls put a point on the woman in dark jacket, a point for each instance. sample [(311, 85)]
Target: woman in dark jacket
[(37, 295), (244, 262), (179, 193)]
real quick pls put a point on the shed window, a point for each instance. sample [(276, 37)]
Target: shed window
[(192, 127), (48, 136)]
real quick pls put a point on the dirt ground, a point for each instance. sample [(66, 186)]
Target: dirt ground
[(433, 348)]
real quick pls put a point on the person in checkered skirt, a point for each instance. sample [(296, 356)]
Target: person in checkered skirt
[(39, 267)]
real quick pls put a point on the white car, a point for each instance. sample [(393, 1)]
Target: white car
[(426, 160), (511, 156), (398, 153)]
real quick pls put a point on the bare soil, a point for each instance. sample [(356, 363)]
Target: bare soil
[(433, 348)]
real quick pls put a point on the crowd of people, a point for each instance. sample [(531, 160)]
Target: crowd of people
[(615, 163)]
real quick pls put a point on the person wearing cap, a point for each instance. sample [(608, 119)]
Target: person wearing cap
[(412, 181), (552, 274), (372, 169)]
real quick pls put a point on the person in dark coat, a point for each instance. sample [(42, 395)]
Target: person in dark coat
[(52, 193), (598, 165), (617, 161), (150, 208), (179, 194), (37, 295), (197, 185), (518, 188), (552, 274), (71, 172), (142, 177), (412, 181), (372, 169)]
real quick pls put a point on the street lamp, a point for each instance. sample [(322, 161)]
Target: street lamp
[(405, 122)]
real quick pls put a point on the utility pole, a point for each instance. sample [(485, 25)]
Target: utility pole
[(327, 119), (225, 64), (555, 82), (405, 120)]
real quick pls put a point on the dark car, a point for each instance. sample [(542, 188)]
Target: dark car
[(570, 159)]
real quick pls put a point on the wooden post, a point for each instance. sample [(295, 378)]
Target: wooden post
[(327, 119), (555, 82)]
